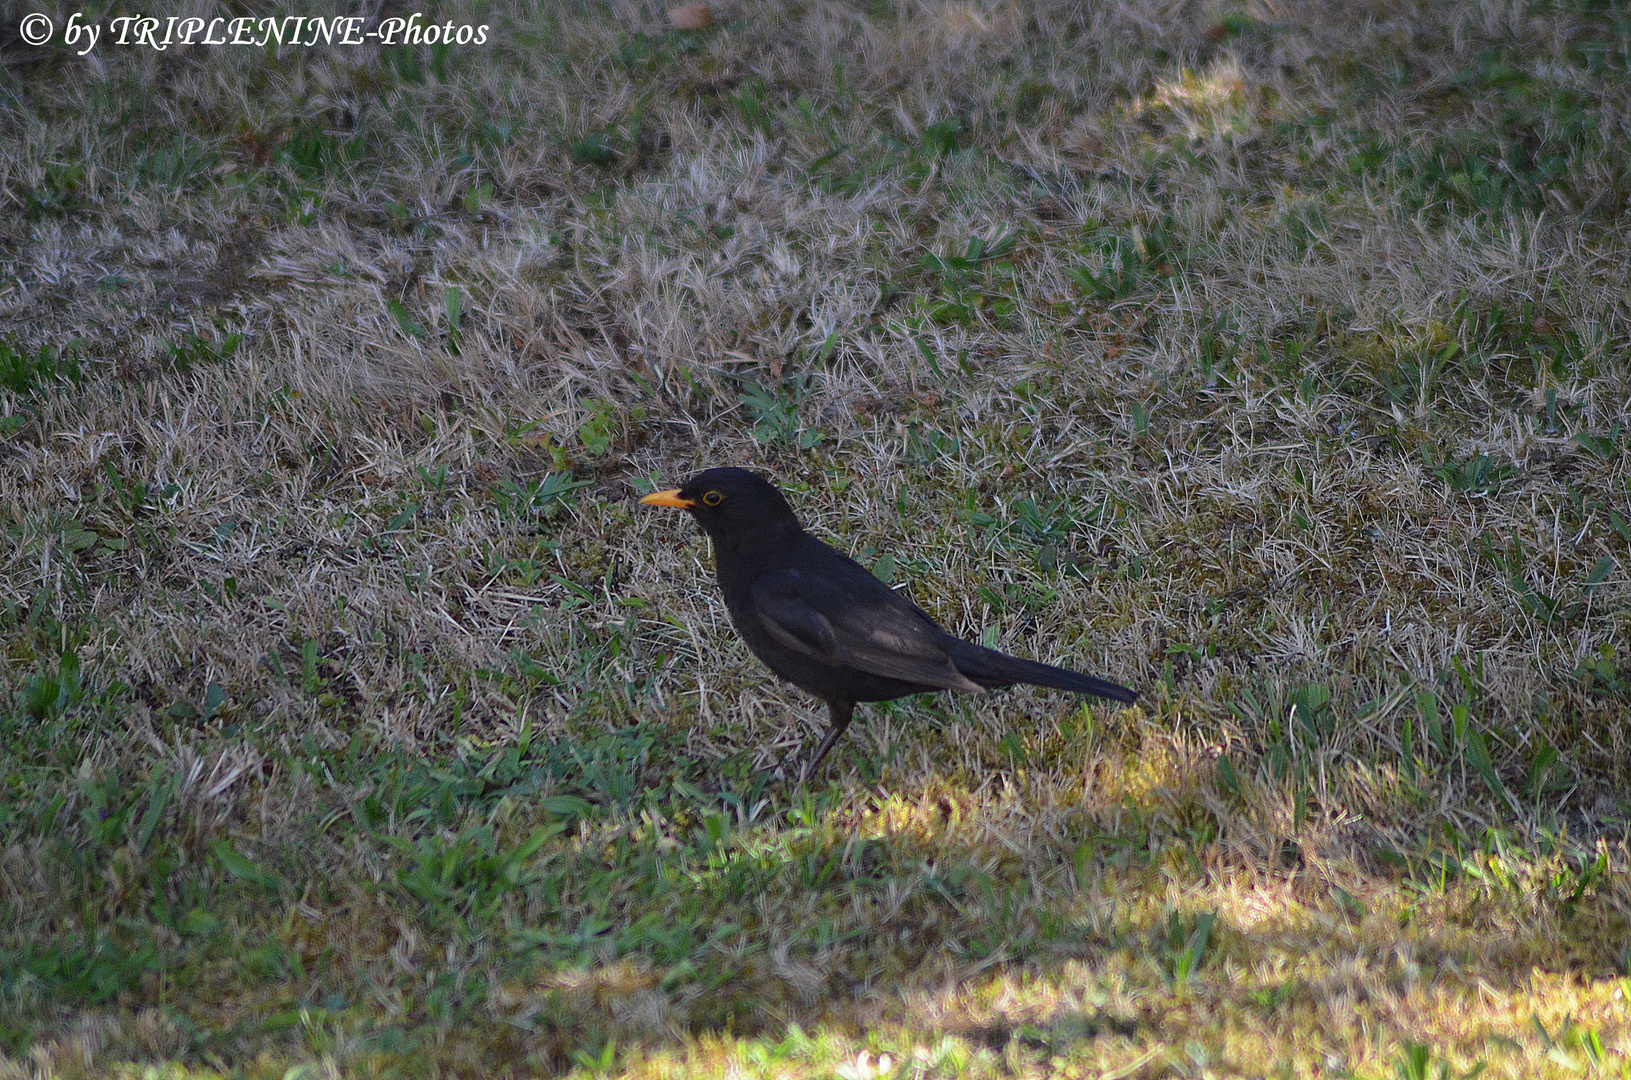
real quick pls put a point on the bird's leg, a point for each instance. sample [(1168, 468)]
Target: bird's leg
[(842, 713)]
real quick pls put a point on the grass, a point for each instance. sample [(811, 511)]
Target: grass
[(1275, 359)]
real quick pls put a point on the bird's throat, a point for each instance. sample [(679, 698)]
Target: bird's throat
[(756, 546)]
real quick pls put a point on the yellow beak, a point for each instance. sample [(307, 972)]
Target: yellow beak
[(671, 497)]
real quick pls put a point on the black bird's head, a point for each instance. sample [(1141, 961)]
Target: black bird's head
[(734, 507)]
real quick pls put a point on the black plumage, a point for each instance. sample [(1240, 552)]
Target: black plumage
[(823, 622)]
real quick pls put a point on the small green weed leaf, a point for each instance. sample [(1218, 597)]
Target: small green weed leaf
[(406, 321), (1598, 573), (312, 681), (600, 1063), (1540, 769), (598, 431), (244, 868), (515, 500), (157, 802), (1480, 476), (1601, 447), (33, 373), (940, 138), (453, 301), (537, 840), (776, 415), (828, 346), (1186, 942), (594, 149), (1478, 756), (1082, 861), (199, 923), (567, 806)]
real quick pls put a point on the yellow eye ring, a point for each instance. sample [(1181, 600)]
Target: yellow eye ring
[(713, 498)]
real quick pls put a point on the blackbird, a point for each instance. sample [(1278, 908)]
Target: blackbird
[(823, 622)]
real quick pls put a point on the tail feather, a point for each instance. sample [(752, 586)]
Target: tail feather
[(992, 669)]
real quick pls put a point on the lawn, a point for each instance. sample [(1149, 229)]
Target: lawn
[(1273, 358)]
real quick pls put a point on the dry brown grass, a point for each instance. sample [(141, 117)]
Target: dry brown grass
[(1292, 385)]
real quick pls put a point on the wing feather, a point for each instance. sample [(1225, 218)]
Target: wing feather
[(870, 630)]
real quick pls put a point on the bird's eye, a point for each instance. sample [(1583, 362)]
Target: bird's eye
[(713, 498)]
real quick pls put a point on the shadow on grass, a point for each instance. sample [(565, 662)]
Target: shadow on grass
[(538, 906)]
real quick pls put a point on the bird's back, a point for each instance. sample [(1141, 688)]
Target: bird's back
[(895, 635), (823, 622)]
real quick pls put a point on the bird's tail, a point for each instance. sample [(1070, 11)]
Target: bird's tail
[(992, 669)]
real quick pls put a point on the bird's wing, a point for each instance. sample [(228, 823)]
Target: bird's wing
[(871, 630)]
